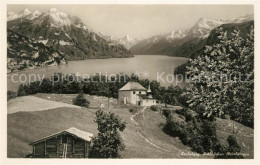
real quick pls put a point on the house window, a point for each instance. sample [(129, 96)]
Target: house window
[(139, 92), (133, 92)]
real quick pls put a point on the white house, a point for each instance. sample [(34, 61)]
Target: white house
[(134, 93)]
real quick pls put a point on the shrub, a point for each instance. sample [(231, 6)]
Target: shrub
[(80, 100), (234, 147), (132, 110), (197, 144), (21, 90), (232, 151), (166, 112), (193, 131), (175, 126), (187, 113), (154, 108), (11, 94)]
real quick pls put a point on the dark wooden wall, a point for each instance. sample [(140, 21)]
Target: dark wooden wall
[(54, 147)]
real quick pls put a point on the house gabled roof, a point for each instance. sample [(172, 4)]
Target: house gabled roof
[(133, 86), (85, 136)]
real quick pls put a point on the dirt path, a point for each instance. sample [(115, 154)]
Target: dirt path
[(140, 131)]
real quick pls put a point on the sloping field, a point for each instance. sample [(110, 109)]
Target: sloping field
[(143, 136), (150, 126), (26, 127), (244, 135), (32, 103)]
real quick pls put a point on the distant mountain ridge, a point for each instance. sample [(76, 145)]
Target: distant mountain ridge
[(183, 43), (27, 14), (128, 41), (65, 33)]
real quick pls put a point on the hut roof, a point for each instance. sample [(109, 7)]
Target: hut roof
[(85, 136), (133, 86)]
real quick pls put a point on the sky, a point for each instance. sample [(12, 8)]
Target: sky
[(142, 21)]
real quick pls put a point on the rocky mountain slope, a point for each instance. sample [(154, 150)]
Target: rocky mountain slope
[(24, 53), (65, 33), (183, 43)]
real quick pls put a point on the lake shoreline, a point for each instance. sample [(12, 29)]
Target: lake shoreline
[(17, 71), (152, 65)]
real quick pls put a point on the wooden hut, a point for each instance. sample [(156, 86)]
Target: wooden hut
[(71, 143)]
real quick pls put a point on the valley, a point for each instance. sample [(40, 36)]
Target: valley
[(146, 84), (71, 39)]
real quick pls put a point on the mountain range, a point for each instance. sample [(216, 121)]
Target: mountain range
[(183, 43), (71, 39), (64, 33)]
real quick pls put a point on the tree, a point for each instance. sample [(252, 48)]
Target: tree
[(167, 98), (134, 78), (21, 90), (46, 86), (80, 100), (223, 78), (11, 94), (108, 143)]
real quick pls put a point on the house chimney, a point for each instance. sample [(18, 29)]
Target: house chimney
[(149, 89), (149, 92)]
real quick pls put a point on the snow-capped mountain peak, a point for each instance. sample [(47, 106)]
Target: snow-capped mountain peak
[(128, 41), (203, 19), (128, 37), (11, 15), (176, 34), (34, 15), (59, 18), (26, 12), (37, 12), (203, 26), (53, 10)]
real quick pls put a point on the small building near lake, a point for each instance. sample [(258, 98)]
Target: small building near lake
[(135, 94), (71, 143)]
